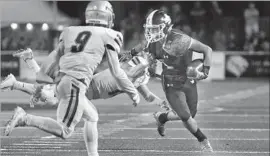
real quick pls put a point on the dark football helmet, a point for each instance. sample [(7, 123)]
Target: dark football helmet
[(157, 25)]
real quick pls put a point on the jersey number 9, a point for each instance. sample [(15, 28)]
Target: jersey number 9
[(81, 41)]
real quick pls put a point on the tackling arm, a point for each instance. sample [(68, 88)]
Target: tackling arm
[(120, 75), (147, 94), (49, 69), (151, 97)]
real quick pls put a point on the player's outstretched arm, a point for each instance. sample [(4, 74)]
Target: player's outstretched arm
[(120, 75), (147, 94), (151, 97), (199, 47), (49, 68)]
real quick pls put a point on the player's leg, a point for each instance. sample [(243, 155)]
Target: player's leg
[(28, 57), (178, 100), (192, 101), (21, 118), (68, 114), (90, 117), (10, 83)]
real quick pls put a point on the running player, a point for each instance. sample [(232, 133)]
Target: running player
[(174, 49), (103, 85), (79, 52)]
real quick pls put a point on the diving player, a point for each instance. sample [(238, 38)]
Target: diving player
[(103, 85), (79, 52), (174, 49)]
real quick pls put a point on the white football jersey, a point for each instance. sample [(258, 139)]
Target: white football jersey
[(84, 48), (144, 79)]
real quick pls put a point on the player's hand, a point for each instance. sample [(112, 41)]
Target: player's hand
[(136, 100), (204, 74), (36, 95), (164, 105)]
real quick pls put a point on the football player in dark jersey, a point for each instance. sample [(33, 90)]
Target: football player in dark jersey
[(174, 49)]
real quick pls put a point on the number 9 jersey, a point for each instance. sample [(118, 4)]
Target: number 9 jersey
[(84, 48)]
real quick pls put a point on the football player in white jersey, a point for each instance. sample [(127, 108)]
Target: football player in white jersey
[(79, 52), (103, 85)]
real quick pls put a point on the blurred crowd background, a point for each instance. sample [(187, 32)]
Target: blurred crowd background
[(232, 26)]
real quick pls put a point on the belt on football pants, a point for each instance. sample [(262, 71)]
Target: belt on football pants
[(60, 75)]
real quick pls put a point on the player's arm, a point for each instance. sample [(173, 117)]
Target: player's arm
[(137, 70), (199, 47), (119, 73), (147, 94), (151, 97), (47, 71)]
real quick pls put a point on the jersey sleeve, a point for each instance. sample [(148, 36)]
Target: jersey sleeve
[(114, 40)]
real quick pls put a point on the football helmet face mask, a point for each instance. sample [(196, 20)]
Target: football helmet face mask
[(157, 25), (99, 13)]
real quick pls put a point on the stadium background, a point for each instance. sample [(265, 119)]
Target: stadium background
[(218, 24), (234, 111)]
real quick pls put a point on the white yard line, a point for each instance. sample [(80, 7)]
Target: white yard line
[(139, 150)]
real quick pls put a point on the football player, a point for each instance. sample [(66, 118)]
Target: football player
[(103, 85), (79, 52), (174, 49)]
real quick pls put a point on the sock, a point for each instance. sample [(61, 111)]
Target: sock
[(163, 117), (46, 124), (32, 63), (25, 87), (199, 135), (91, 138)]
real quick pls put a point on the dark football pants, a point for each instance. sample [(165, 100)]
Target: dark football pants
[(183, 100)]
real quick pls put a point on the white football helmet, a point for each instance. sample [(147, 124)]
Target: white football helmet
[(157, 25), (99, 13)]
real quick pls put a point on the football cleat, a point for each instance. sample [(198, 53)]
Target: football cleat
[(8, 83), (160, 126), (206, 146), (25, 54), (16, 120)]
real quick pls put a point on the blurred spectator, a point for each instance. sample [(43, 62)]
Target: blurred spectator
[(197, 14), (265, 46), (164, 8), (232, 43), (136, 37), (217, 14), (186, 29), (251, 15), (261, 40), (251, 43), (178, 17), (21, 38), (130, 25), (219, 40)]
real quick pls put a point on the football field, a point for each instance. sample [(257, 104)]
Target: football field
[(234, 114)]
